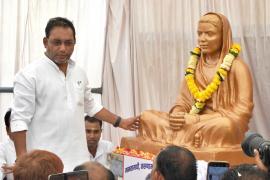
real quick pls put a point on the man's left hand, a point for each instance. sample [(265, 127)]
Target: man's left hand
[(131, 124)]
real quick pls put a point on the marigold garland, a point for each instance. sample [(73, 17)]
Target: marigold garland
[(201, 97), (134, 153)]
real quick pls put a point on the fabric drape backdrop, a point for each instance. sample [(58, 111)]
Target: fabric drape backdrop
[(147, 47), (118, 68), (22, 28), (148, 44)]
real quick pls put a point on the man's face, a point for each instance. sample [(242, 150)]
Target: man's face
[(93, 133), (209, 38), (60, 44)]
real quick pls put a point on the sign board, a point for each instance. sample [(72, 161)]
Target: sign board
[(136, 168)]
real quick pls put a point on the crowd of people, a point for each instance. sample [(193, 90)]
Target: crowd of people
[(172, 163)]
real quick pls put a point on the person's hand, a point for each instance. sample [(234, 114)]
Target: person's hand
[(131, 124), (258, 161), (7, 169), (177, 120)]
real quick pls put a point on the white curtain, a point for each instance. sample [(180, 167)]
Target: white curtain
[(117, 71), (22, 28), (148, 43)]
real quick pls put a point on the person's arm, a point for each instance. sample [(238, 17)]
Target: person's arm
[(93, 108), (19, 139), (128, 124), (23, 109), (106, 115), (4, 156)]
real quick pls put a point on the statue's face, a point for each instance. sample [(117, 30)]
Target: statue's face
[(210, 35)]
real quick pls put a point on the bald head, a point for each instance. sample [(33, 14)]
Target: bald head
[(95, 170), (173, 163)]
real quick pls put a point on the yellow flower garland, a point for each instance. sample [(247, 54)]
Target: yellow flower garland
[(201, 97)]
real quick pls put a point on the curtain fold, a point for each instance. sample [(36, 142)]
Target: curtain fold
[(117, 70)]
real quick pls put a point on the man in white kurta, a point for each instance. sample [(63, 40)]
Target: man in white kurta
[(98, 149), (50, 105), (51, 96)]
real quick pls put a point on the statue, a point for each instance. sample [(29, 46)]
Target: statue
[(216, 98)]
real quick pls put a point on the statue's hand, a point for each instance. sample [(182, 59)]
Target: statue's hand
[(177, 120), (192, 118)]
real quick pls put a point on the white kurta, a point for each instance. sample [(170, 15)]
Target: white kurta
[(103, 149), (7, 156), (51, 106)]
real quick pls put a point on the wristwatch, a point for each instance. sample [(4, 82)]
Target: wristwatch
[(117, 122)]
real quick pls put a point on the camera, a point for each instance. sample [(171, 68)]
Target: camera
[(255, 141)]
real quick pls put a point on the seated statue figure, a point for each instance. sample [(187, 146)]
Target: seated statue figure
[(215, 101)]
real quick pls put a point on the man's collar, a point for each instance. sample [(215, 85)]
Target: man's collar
[(70, 62)]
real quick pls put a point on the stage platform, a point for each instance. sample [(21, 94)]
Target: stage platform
[(233, 155)]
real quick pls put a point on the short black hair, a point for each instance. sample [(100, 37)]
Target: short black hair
[(7, 118), (245, 172), (175, 163), (92, 120), (59, 22)]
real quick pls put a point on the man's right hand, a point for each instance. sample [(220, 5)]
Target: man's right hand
[(131, 124), (177, 120)]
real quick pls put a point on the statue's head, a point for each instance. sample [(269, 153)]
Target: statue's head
[(210, 34), (221, 38)]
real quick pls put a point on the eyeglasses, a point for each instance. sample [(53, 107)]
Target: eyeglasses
[(67, 43)]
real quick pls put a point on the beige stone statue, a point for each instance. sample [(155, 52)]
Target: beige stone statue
[(224, 119)]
